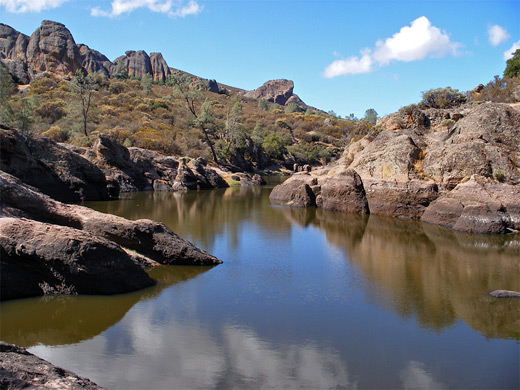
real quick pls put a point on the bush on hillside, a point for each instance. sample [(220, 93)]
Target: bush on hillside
[(442, 98)]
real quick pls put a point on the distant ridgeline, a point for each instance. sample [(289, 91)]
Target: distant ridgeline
[(52, 49)]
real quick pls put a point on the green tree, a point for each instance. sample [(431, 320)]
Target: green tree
[(513, 65), (292, 107), (146, 83), (442, 98), (203, 118), (370, 116), (7, 88), (24, 116), (83, 87), (274, 146), (262, 105)]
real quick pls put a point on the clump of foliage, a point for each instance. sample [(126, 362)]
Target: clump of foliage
[(513, 65), (442, 98)]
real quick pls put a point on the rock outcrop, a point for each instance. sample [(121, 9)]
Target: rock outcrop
[(51, 48), (479, 205), (93, 61), (22, 370), (50, 167), (58, 248), (132, 64), (160, 69), (458, 168), (276, 91)]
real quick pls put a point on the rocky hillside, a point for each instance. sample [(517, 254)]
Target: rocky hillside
[(52, 49), (456, 167)]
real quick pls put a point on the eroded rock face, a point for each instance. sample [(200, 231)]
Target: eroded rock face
[(344, 192), (133, 63), (274, 91), (457, 168), (59, 248), (160, 69), (21, 369), (477, 206), (403, 199), (52, 48), (52, 168), (93, 61), (13, 46)]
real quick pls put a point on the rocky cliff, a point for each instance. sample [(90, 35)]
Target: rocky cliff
[(51, 48), (458, 168)]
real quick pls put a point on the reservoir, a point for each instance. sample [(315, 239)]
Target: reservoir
[(305, 298)]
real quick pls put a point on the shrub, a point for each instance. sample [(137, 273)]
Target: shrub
[(262, 105), (274, 146), (292, 107), (500, 177), (442, 98), (513, 65), (56, 134), (52, 111)]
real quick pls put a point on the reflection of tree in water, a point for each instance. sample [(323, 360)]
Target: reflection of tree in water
[(202, 215), (59, 320), (432, 273)]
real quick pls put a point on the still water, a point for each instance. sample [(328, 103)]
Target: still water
[(304, 299)]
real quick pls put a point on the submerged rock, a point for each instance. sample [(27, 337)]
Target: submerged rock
[(505, 294), (21, 370)]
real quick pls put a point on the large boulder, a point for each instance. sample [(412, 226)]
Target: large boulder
[(477, 206), (22, 370), (405, 199), (39, 258), (344, 192), (51, 48), (275, 91), (52, 168), (295, 191), (152, 239)]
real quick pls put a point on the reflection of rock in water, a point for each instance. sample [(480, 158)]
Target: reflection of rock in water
[(434, 274), (59, 320)]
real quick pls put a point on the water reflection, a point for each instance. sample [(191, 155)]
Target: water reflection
[(431, 273), (60, 320)]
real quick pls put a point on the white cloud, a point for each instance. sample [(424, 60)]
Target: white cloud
[(415, 42), (509, 53), (497, 35), (352, 65), (21, 6), (411, 43), (173, 8)]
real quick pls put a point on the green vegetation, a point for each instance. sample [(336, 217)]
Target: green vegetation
[(180, 117), (513, 65), (442, 98)]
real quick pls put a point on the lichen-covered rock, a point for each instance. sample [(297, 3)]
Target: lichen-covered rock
[(407, 199), (344, 192), (477, 206), (22, 370)]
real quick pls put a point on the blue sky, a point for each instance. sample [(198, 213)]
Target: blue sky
[(345, 56)]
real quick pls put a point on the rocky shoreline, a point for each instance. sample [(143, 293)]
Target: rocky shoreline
[(51, 247), (21, 369), (465, 177)]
